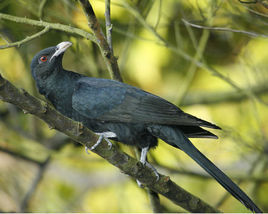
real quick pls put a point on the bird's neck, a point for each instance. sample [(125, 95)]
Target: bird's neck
[(58, 88), (45, 81)]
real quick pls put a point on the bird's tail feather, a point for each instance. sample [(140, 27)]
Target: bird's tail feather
[(176, 138)]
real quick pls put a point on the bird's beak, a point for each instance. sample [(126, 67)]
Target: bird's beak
[(61, 48)]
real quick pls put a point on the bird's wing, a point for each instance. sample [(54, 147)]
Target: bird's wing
[(113, 101)]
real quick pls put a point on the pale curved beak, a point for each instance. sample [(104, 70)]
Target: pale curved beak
[(61, 48)]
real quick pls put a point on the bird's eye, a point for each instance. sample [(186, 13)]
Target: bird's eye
[(43, 58)]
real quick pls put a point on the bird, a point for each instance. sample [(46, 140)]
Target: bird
[(124, 113)]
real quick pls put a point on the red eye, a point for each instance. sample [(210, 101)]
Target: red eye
[(43, 58)]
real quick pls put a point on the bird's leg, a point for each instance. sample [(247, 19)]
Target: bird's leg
[(144, 155), (97, 143), (144, 162), (105, 136)]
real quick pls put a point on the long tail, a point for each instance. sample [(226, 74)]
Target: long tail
[(176, 138)]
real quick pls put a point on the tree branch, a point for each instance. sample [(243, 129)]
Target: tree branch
[(110, 59), (253, 34), (121, 160), (41, 8), (38, 177), (256, 12), (108, 24), (52, 26), (27, 39), (262, 2)]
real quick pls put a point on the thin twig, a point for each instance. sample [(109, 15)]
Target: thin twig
[(256, 12), (191, 35), (253, 34), (248, 2), (39, 175), (25, 40), (255, 2), (109, 26), (41, 8), (52, 26)]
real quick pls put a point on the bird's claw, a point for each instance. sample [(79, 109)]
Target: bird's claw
[(109, 143), (139, 184), (154, 171), (104, 136), (97, 143), (145, 163)]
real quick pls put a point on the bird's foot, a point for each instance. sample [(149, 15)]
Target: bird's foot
[(105, 136), (139, 184), (154, 171), (145, 163)]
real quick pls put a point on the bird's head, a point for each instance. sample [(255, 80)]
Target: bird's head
[(48, 60)]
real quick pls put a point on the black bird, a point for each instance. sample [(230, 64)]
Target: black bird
[(124, 113)]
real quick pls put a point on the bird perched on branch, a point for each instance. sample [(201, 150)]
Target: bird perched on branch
[(124, 113)]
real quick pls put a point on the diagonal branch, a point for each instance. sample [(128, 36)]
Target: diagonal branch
[(25, 40), (253, 34), (38, 177), (110, 59), (79, 133), (261, 2), (52, 26)]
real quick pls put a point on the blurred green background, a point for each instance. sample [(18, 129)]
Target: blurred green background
[(215, 74)]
